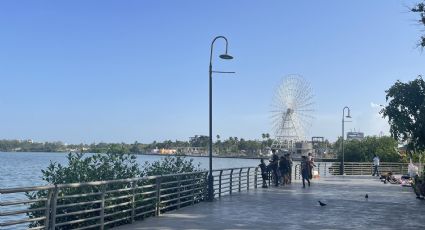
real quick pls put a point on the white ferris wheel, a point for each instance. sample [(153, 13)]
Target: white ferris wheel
[(292, 112)]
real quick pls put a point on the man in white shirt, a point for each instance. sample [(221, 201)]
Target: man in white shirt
[(375, 165)]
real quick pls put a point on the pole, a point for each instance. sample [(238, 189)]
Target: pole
[(210, 150), (210, 176), (342, 144)]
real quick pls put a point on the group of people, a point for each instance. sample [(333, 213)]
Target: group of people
[(281, 169)]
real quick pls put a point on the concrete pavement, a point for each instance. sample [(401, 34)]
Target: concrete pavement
[(292, 207)]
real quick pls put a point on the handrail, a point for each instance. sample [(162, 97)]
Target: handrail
[(105, 204)]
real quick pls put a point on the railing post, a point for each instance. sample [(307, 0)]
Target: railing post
[(231, 182), (326, 168), (158, 196), (193, 189), (206, 186), (240, 178), (219, 183), (53, 211), (133, 200), (255, 177), (179, 184), (102, 208), (47, 212), (247, 179)]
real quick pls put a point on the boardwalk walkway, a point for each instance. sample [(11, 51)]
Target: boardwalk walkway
[(291, 207)]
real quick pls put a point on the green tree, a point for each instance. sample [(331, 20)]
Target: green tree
[(419, 8), (363, 151), (406, 112)]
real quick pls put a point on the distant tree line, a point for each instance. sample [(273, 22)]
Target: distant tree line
[(232, 145)]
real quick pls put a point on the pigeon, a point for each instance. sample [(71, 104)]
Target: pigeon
[(367, 196), (321, 204)]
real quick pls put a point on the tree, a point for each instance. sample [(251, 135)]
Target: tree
[(364, 150), (406, 112), (420, 9)]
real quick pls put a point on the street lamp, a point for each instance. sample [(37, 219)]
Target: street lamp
[(224, 56), (342, 141)]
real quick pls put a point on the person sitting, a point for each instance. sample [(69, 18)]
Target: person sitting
[(389, 177)]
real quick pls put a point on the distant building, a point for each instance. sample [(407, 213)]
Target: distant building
[(355, 136)]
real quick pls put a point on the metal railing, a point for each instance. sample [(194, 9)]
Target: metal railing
[(354, 168), (105, 204)]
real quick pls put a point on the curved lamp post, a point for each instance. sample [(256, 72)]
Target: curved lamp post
[(342, 141), (224, 56)]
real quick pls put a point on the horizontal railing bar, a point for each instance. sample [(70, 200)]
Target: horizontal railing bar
[(9, 213), (170, 206), (79, 195), (118, 197), (77, 221), (226, 169), (25, 189), (21, 221), (146, 193), (145, 206), (118, 190), (117, 220), (145, 186), (93, 183), (118, 212), (80, 203), (16, 202), (78, 212), (118, 205)]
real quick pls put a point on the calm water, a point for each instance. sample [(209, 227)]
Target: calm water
[(24, 169)]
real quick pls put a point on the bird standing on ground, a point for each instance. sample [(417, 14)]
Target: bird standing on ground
[(321, 204), (367, 196)]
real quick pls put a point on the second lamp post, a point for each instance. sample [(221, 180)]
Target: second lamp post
[(342, 141)]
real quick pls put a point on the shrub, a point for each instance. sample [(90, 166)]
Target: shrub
[(101, 167)]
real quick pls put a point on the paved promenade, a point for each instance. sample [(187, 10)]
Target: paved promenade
[(291, 207)]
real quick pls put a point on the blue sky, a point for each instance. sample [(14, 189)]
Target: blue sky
[(121, 71)]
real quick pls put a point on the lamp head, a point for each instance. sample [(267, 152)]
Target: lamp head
[(348, 115), (226, 56)]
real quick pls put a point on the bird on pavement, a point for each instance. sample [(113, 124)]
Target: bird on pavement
[(321, 203), (367, 196)]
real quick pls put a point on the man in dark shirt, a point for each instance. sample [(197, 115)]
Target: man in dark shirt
[(263, 168), (274, 164)]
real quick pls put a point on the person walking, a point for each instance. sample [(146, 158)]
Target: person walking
[(263, 168), (375, 165), (305, 168)]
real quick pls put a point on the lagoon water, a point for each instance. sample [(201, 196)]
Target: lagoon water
[(19, 169)]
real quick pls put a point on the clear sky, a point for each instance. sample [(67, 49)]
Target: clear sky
[(125, 71)]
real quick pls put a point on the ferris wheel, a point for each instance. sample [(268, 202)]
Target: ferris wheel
[(292, 112)]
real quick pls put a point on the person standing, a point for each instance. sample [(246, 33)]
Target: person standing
[(282, 170), (305, 168), (289, 167), (274, 166), (311, 164), (263, 168), (375, 165)]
